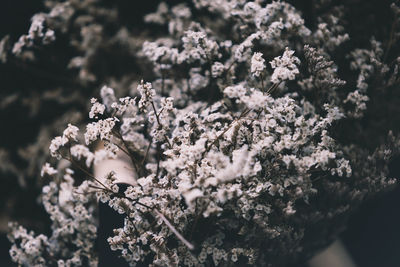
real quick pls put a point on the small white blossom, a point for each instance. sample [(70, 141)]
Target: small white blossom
[(359, 101), (284, 67), (82, 152), (56, 144), (101, 129), (108, 97), (147, 93), (97, 109), (217, 69), (71, 132), (257, 64), (47, 169)]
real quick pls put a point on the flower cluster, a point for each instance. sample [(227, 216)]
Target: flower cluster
[(69, 134), (257, 64), (284, 67), (71, 211), (37, 33)]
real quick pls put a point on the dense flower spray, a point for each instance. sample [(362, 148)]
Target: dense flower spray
[(238, 162)]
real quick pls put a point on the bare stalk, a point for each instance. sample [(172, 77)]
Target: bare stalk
[(173, 229)]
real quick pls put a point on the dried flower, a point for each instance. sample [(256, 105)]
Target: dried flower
[(257, 64)]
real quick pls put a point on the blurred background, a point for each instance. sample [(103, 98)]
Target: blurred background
[(373, 234)]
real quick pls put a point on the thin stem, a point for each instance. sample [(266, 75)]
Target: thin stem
[(120, 147), (145, 155), (273, 87), (95, 187), (161, 110), (389, 44), (166, 139), (85, 171), (259, 113), (155, 113), (159, 123), (173, 229), (133, 160), (230, 65)]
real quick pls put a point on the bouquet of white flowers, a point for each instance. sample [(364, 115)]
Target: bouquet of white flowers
[(245, 145)]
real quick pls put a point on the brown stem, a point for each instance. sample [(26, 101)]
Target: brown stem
[(145, 155), (389, 44), (133, 160), (155, 113), (159, 123), (70, 159), (273, 87), (173, 230)]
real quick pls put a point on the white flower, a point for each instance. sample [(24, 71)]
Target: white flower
[(101, 128), (147, 93), (197, 81), (289, 210), (47, 169), (97, 109), (217, 69), (194, 37), (192, 195), (359, 101), (108, 97), (103, 154), (71, 132), (56, 144), (124, 104), (257, 64), (80, 151), (284, 67)]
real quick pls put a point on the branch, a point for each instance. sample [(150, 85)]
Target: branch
[(173, 229)]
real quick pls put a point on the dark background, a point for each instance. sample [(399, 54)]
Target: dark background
[(372, 236)]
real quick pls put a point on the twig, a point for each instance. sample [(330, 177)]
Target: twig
[(147, 152), (173, 229), (85, 171), (389, 44), (133, 160), (155, 113), (120, 147), (159, 123), (273, 87)]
